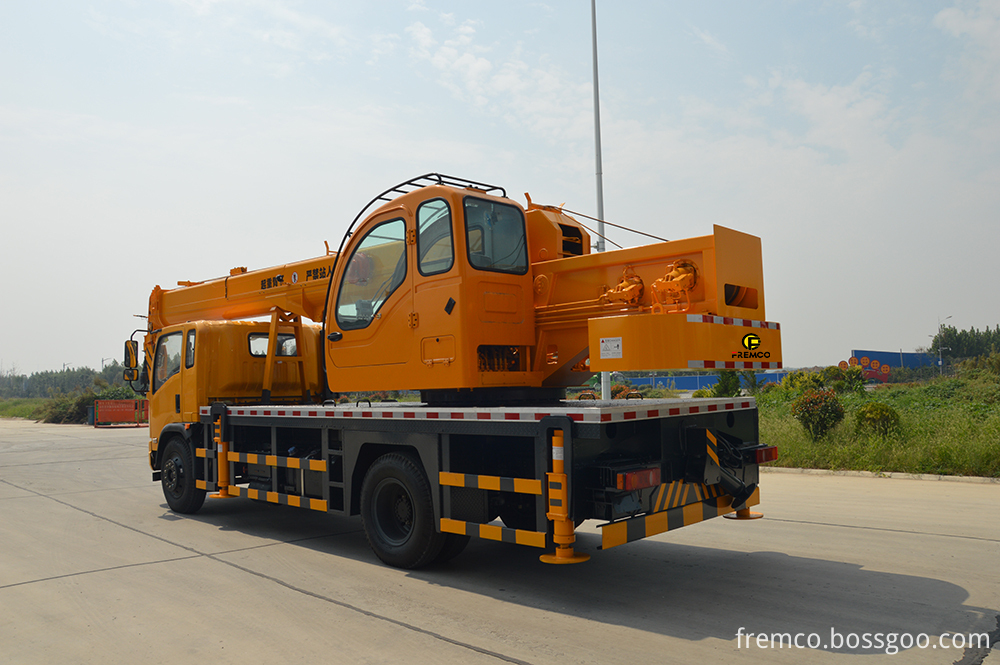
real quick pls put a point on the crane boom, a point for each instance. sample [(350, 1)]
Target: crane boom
[(298, 288)]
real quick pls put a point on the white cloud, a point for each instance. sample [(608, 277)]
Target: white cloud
[(710, 41), (382, 45), (538, 97), (979, 26), (864, 24)]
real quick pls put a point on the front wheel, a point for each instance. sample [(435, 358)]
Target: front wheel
[(177, 477), (397, 512)]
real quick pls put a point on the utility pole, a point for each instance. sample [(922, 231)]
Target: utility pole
[(941, 346), (605, 376)]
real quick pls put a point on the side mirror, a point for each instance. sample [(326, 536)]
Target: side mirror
[(131, 360), (131, 355)]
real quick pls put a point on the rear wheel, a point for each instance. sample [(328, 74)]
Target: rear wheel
[(177, 477), (397, 512)]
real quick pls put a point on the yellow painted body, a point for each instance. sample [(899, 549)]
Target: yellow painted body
[(223, 370), (464, 327)]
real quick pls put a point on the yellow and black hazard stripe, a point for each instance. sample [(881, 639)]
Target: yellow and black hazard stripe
[(713, 446), (277, 497), (493, 532), (277, 461), (678, 511), (680, 493), (498, 483)]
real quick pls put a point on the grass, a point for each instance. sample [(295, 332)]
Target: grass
[(948, 427), (32, 408)]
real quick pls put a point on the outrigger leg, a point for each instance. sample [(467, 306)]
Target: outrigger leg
[(564, 532)]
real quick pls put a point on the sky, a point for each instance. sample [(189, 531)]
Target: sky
[(143, 143)]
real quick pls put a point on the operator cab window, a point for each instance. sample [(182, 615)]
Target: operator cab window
[(168, 358), (434, 245), (375, 270), (495, 236)]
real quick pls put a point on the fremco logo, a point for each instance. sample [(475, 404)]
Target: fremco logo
[(751, 342)]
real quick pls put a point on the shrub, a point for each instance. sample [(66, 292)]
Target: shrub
[(63, 409), (702, 392), (802, 380), (618, 391), (728, 385), (854, 379), (877, 418), (818, 411), (831, 374)]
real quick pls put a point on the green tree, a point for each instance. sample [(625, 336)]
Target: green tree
[(728, 385), (750, 382)]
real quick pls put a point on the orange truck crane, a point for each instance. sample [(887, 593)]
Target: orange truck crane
[(490, 310)]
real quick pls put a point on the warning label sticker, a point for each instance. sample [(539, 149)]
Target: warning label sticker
[(611, 347)]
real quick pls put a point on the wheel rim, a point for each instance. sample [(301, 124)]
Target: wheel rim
[(173, 476), (393, 511)]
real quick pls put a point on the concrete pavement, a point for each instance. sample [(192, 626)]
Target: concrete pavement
[(95, 568)]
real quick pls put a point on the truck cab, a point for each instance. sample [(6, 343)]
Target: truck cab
[(202, 362)]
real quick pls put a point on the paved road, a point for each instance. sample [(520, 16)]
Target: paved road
[(94, 568)]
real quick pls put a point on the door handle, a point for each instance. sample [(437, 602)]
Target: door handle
[(177, 403), (335, 336)]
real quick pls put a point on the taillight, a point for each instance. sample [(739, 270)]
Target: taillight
[(766, 454), (640, 479)]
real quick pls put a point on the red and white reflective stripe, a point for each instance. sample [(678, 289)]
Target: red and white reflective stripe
[(597, 414), (731, 364), (730, 321)]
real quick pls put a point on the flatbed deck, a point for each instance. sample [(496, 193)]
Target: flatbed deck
[(585, 411)]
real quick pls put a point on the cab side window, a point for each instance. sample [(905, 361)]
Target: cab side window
[(495, 236), (168, 358), (189, 350), (435, 249), (258, 344), (375, 270)]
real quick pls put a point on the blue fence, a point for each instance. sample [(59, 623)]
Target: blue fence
[(897, 358), (691, 382)]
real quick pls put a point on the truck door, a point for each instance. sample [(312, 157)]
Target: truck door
[(189, 380), (436, 292), (374, 300), (165, 399)]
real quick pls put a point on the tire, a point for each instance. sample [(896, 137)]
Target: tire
[(177, 476), (454, 544), (397, 512)]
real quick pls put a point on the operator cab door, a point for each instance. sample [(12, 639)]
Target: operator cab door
[(372, 306)]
